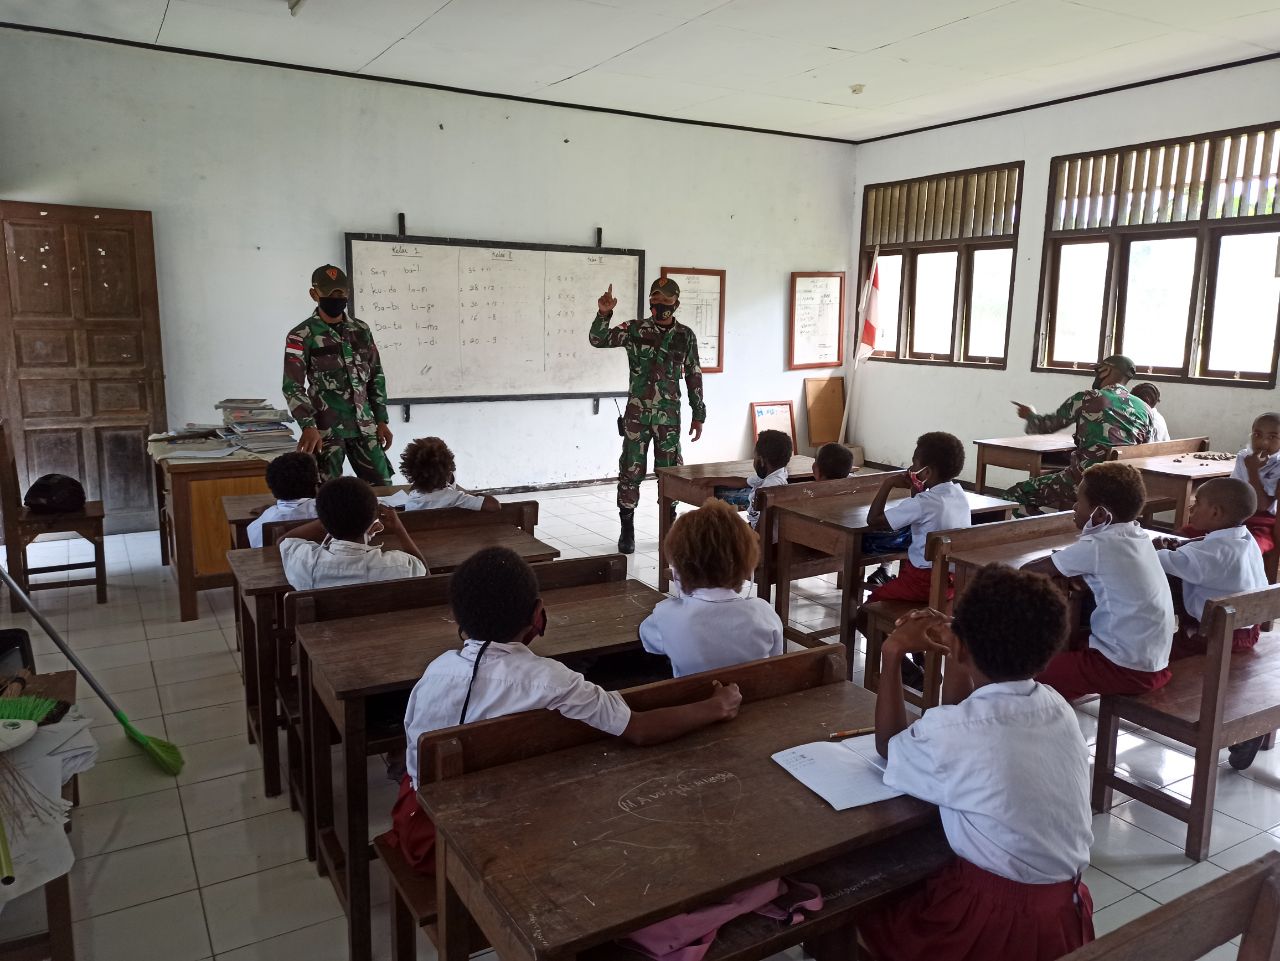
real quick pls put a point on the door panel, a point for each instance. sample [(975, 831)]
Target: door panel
[(39, 263), (50, 398), (119, 396), (123, 466), (55, 452), (111, 274), (45, 348), (115, 348)]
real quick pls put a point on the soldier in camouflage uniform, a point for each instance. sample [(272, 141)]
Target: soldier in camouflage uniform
[(1105, 416), (343, 412), (659, 351)]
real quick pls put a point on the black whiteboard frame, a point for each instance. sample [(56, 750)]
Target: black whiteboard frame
[(503, 245)]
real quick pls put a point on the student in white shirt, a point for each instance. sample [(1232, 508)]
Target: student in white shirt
[(293, 479), (1131, 628), (1149, 394), (708, 623), (1005, 762), (1258, 465), (494, 596), (335, 549), (428, 464), (773, 453)]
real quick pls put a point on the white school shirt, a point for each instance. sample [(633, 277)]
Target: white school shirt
[(511, 678), (1133, 623), (1159, 429), (308, 565), (940, 508), (281, 510), (1009, 771), (777, 478), (1269, 474), (1226, 562), (710, 628), (434, 500)]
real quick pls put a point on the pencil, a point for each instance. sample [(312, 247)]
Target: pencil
[(856, 732)]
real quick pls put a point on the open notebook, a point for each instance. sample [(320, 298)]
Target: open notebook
[(845, 774)]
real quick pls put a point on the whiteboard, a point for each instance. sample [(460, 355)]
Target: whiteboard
[(817, 320), (702, 311), (774, 415), (464, 320)]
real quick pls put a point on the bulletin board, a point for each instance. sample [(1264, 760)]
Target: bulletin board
[(824, 407), (702, 310), (817, 320)]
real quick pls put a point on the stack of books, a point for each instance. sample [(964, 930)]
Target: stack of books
[(255, 425)]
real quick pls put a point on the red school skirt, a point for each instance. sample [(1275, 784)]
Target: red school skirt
[(1074, 674), (1188, 641), (964, 913), (412, 831), (911, 584), (1261, 525)]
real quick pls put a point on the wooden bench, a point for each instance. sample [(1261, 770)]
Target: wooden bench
[(879, 617), (1183, 445), (853, 882), (523, 515), (806, 562), (1213, 700), (1245, 902)]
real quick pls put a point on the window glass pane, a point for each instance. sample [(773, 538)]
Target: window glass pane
[(890, 267), (1157, 298), (935, 292), (1077, 313), (1244, 304), (989, 302)]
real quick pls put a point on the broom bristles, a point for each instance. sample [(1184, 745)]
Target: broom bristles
[(167, 756), (26, 708)]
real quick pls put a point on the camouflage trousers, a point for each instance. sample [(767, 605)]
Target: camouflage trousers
[(1046, 493), (368, 459), (635, 454)]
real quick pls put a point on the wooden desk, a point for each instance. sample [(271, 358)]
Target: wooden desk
[(1176, 476), (258, 576), (1025, 452), (192, 526), (654, 831), (341, 678), (835, 525), (241, 510), (695, 483)]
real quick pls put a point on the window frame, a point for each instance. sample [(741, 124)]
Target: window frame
[(1208, 233)]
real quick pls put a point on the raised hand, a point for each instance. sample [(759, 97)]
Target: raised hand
[(607, 301)]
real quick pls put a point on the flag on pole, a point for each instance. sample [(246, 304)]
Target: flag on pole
[(868, 315)]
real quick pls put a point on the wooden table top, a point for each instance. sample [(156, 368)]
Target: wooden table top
[(245, 508), (655, 830), (377, 653), (1044, 443), (1183, 465), (1020, 553), (260, 571), (735, 470), (849, 511)]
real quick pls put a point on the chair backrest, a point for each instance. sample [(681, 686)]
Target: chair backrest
[(522, 514), (1245, 901), (453, 751), (1181, 445), (769, 498), (1222, 617), (10, 491), (942, 544)]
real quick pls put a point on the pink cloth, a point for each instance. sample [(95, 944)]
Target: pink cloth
[(688, 937)]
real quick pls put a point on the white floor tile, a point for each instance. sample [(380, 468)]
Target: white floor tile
[(1225, 831), (206, 723), (129, 776), (209, 803), (187, 645), (1152, 763), (119, 680), (326, 941), (1122, 912), (1243, 853), (138, 706), (1131, 855), (178, 670), (211, 760), (113, 655), (1246, 799), (247, 847), (102, 828), (175, 923), (250, 909), (1184, 881), (131, 876), (102, 635), (1104, 889), (203, 692)]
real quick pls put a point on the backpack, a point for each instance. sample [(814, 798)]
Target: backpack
[(55, 494)]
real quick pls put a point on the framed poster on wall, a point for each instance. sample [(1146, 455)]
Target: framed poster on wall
[(702, 310), (774, 415), (817, 320)]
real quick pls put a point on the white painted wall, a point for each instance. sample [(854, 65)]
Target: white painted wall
[(897, 402), (254, 173)]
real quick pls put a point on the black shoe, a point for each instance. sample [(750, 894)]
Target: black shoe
[(879, 576), (912, 674), (1241, 755), (627, 539)]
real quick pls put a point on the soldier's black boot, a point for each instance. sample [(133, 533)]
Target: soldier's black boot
[(627, 539)]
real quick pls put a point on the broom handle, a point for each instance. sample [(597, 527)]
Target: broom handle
[(57, 639)]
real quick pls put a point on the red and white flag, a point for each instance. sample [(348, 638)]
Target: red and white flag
[(870, 295)]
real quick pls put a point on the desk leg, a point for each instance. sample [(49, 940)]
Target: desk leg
[(184, 545), (980, 478), (453, 922), (248, 665), (321, 770), (1036, 467), (268, 719), (782, 578), (354, 754), (1183, 510), (162, 520), (57, 901), (665, 504), (851, 600), (306, 727)]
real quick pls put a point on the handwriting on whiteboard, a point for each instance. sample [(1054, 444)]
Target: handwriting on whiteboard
[(816, 324)]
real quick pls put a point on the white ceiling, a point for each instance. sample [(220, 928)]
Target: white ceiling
[(774, 64)]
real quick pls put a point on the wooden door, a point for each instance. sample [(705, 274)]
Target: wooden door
[(80, 339)]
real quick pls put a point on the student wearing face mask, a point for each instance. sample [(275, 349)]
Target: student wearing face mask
[(334, 385), (335, 550), (660, 350), (1105, 416), (1131, 627)]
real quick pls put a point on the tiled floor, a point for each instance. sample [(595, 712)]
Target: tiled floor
[(204, 866)]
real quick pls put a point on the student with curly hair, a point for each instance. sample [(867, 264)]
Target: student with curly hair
[(1005, 762), (708, 623), (428, 464), (293, 479), (1131, 628)]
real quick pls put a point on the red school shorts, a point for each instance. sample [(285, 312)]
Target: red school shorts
[(964, 913), (911, 584), (1188, 641), (1074, 674), (412, 831)]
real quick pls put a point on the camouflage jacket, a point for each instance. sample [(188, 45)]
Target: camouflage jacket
[(1105, 418), (347, 394), (657, 357)]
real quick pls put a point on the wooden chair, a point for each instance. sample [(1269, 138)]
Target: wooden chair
[(1183, 445), (22, 526), (806, 562), (876, 619), (1245, 902), (1214, 700)]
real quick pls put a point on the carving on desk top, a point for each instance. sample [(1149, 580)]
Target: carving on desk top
[(692, 796)]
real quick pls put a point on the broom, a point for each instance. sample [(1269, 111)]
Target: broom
[(166, 756)]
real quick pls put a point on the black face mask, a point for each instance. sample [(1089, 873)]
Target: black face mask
[(664, 312), (1097, 382), (333, 306)]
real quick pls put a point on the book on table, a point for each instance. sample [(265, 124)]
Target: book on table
[(846, 774)]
